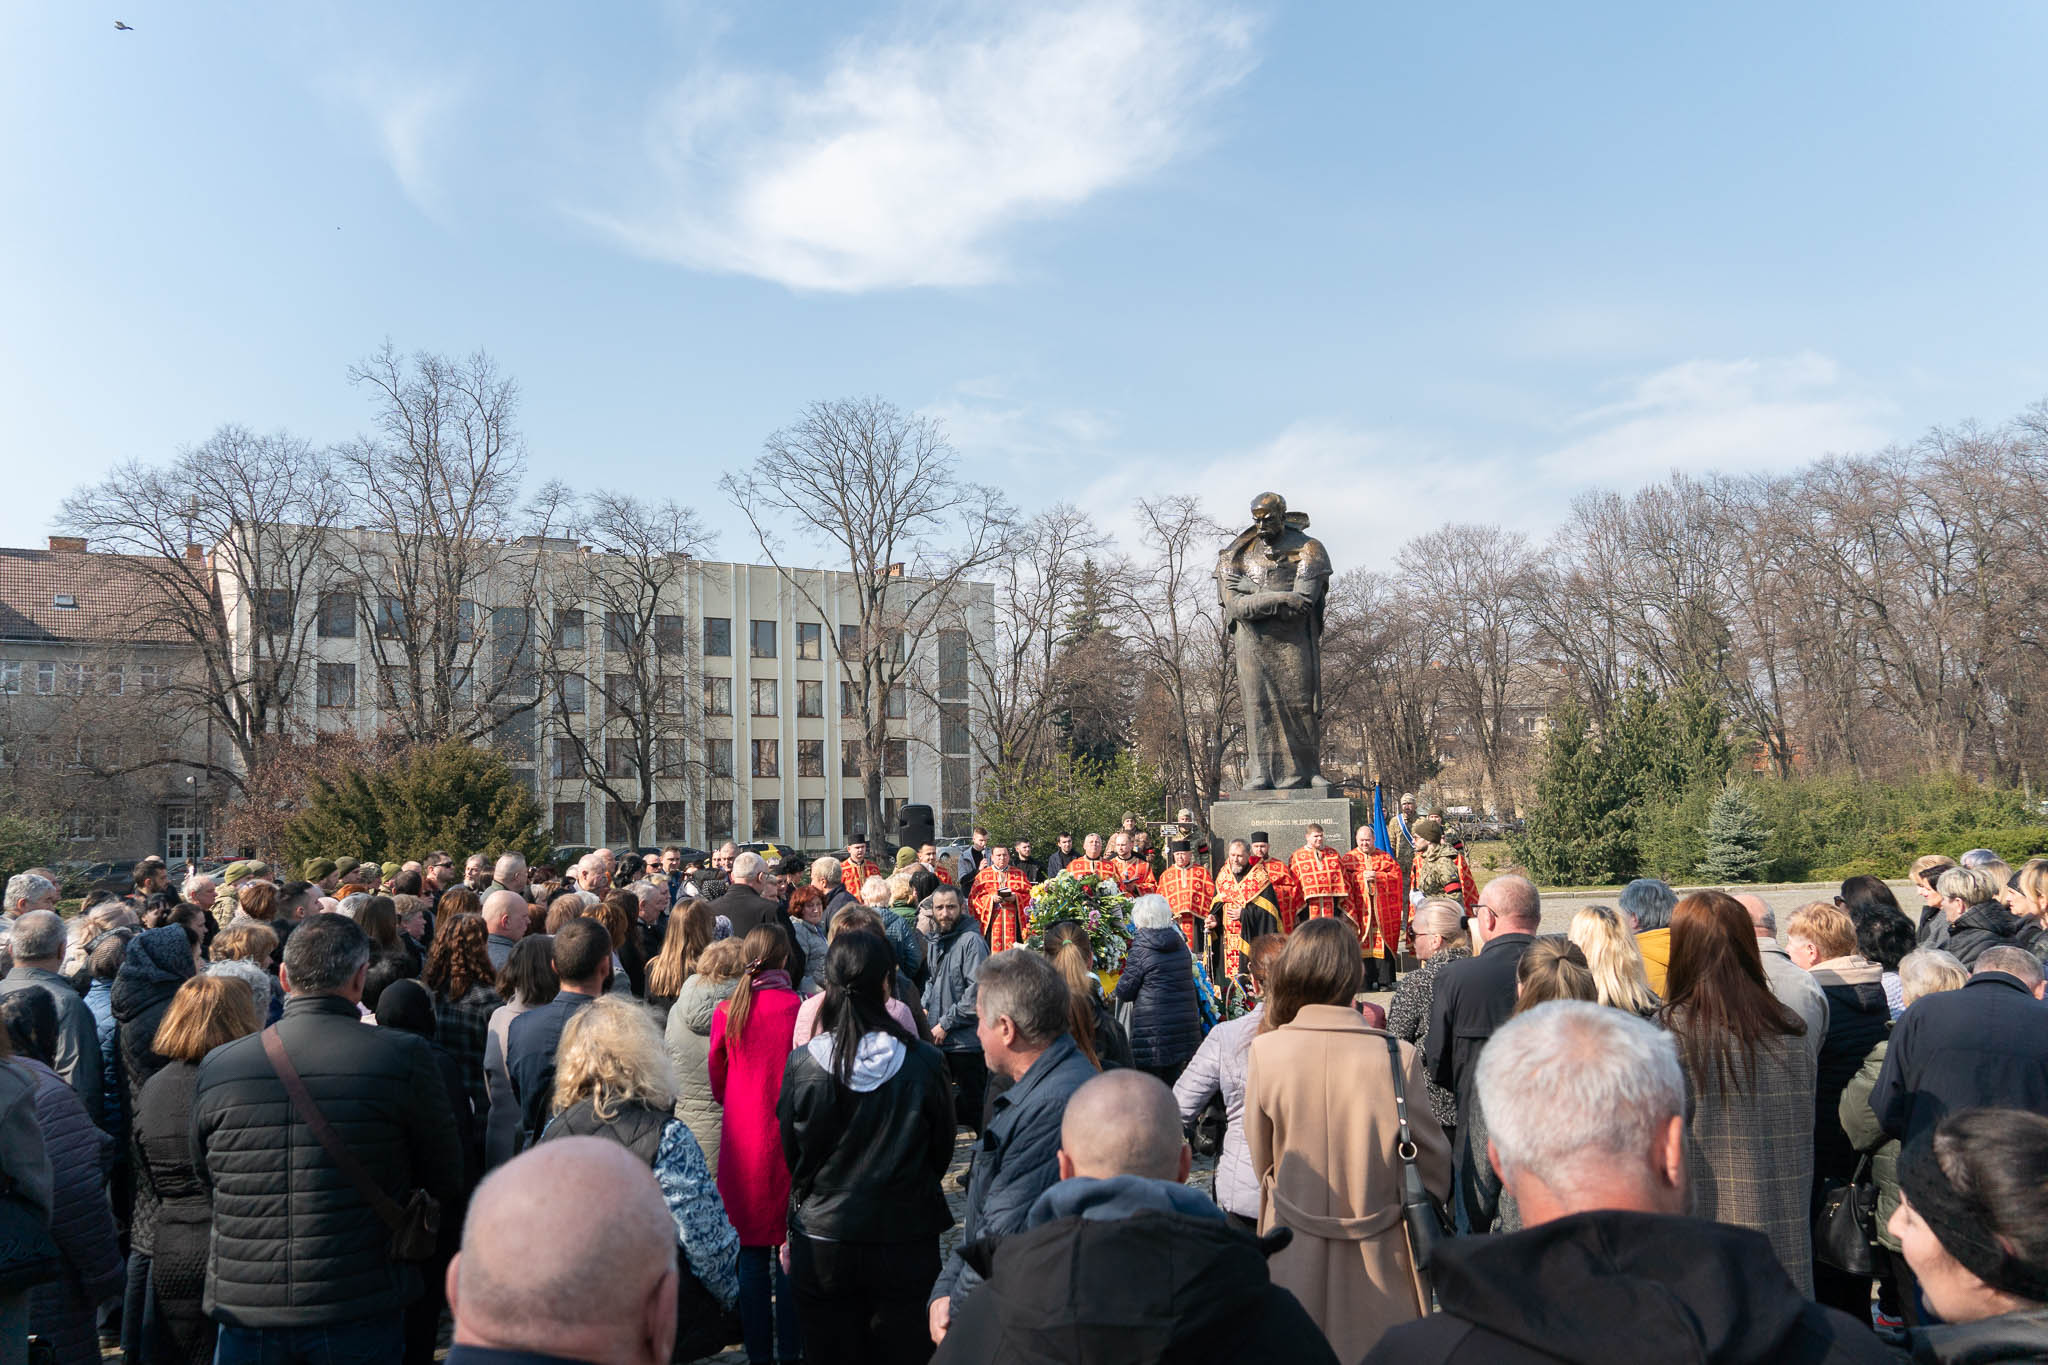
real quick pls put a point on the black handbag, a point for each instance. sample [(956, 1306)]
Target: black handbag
[(1421, 1213), (704, 1326), (28, 1253), (1845, 1223)]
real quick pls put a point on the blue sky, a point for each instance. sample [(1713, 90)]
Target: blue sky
[(1407, 264)]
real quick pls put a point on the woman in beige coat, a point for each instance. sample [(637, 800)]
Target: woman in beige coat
[(1320, 1123)]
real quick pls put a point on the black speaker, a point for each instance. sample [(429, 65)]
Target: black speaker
[(913, 826)]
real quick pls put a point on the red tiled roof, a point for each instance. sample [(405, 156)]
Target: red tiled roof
[(113, 595)]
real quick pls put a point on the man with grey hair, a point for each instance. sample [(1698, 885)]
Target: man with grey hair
[(751, 902), (509, 874), (27, 891), (1648, 903), (1021, 1008), (200, 890), (1121, 1201), (38, 948), (2017, 963), (600, 1286), (1792, 984), (1984, 1046), (476, 873), (1979, 857), (1585, 1116)]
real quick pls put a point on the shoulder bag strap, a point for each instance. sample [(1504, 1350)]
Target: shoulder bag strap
[(1407, 1142), (386, 1207)]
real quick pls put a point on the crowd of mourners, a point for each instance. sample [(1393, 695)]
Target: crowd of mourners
[(639, 1109)]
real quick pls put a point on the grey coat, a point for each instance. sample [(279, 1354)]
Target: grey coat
[(1796, 991), (1218, 1068), (78, 1035), (955, 960), (501, 1120), (689, 1047)]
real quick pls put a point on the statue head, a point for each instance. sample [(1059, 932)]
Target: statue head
[(1269, 514)]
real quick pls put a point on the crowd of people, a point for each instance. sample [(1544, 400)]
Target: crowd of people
[(637, 1109)]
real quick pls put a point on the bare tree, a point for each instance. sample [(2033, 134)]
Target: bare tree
[(227, 531), (1191, 719), (1382, 696), (879, 490)]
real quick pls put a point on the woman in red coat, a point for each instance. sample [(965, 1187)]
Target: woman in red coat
[(750, 1041)]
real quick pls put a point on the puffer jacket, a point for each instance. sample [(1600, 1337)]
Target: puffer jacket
[(1859, 1018), (294, 1244), (114, 1107), (811, 939), (689, 1047), (865, 1159), (81, 1220), (1989, 925), (1159, 981), (181, 1218), (158, 962), (899, 922), (955, 959), (1860, 1126)]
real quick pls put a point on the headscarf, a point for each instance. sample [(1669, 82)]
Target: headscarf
[(1958, 1220)]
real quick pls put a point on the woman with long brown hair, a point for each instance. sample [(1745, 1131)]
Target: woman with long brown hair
[(1749, 1147), (1319, 1117), (462, 981), (750, 1045), (690, 928)]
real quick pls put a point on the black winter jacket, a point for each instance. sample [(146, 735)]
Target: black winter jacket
[(1984, 1045), (1159, 981), (1621, 1286), (865, 1161), (1989, 925), (2009, 1336), (1859, 1018), (181, 1218), (1109, 1284), (157, 963), (293, 1244), (743, 908)]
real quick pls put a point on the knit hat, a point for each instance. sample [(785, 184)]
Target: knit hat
[(344, 863), (390, 870), (318, 869), (1430, 828), (905, 857), (247, 869), (356, 874)]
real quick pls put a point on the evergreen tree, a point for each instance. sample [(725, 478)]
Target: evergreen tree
[(1092, 682), (451, 796), (1578, 831), (1735, 838)]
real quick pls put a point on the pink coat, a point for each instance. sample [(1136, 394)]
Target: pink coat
[(746, 1076)]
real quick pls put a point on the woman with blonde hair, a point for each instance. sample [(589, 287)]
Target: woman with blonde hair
[(1619, 976), (613, 1079), (1320, 1125), (690, 927)]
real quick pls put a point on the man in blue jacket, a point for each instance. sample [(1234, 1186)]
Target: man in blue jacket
[(1021, 1008)]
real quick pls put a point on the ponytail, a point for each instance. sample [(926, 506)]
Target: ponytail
[(767, 949)]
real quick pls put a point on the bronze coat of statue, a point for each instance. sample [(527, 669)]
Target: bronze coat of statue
[(1272, 581)]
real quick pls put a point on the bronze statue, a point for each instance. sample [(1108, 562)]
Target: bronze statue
[(1272, 581)]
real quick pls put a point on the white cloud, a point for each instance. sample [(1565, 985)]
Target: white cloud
[(412, 117), (1771, 413), (910, 158)]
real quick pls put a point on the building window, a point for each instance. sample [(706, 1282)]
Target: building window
[(568, 761), (668, 635), (810, 758), (513, 663), (810, 818), (619, 826), (717, 696), (810, 698), (717, 821), (669, 823), (621, 758), (849, 701), (465, 622), (512, 734), (849, 758), (114, 680), (955, 798), (892, 812), (718, 637), (898, 702), (718, 757), (853, 818), (620, 630), (896, 758), (768, 819), (569, 822), (10, 676), (668, 758), (618, 693), (953, 665), (390, 617), (337, 616), (574, 693), (150, 677), (46, 676), (810, 640), (568, 627), (275, 605), (761, 639), (849, 642), (953, 727), (767, 758), (764, 696), (337, 686)]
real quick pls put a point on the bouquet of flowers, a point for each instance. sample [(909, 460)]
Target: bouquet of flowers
[(1096, 902)]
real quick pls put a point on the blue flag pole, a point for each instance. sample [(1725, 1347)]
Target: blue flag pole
[(1379, 819)]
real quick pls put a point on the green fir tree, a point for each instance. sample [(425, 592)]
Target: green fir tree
[(451, 796), (1735, 838), (1578, 830)]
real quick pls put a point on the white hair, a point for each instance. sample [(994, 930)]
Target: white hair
[(874, 892), (1151, 912), (828, 869), (195, 883), (748, 866), (24, 887), (257, 979), (1930, 971), (352, 905), (508, 865), (1570, 1087)]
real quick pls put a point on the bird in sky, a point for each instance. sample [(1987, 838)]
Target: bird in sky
[(125, 28)]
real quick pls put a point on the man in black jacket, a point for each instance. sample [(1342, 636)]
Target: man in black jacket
[(1472, 999), (1122, 1263), (582, 958), (1984, 1046), (748, 904), (1585, 1117), (300, 1261)]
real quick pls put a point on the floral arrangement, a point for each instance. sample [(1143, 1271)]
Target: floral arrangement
[(1098, 904)]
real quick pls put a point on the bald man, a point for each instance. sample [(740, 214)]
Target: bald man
[(505, 917), (597, 1285), (1186, 1280), (1791, 983)]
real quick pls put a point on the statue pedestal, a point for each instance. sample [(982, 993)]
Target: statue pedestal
[(1286, 816)]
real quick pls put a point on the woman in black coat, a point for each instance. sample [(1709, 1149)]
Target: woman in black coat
[(205, 1012), (1159, 983), (158, 961)]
